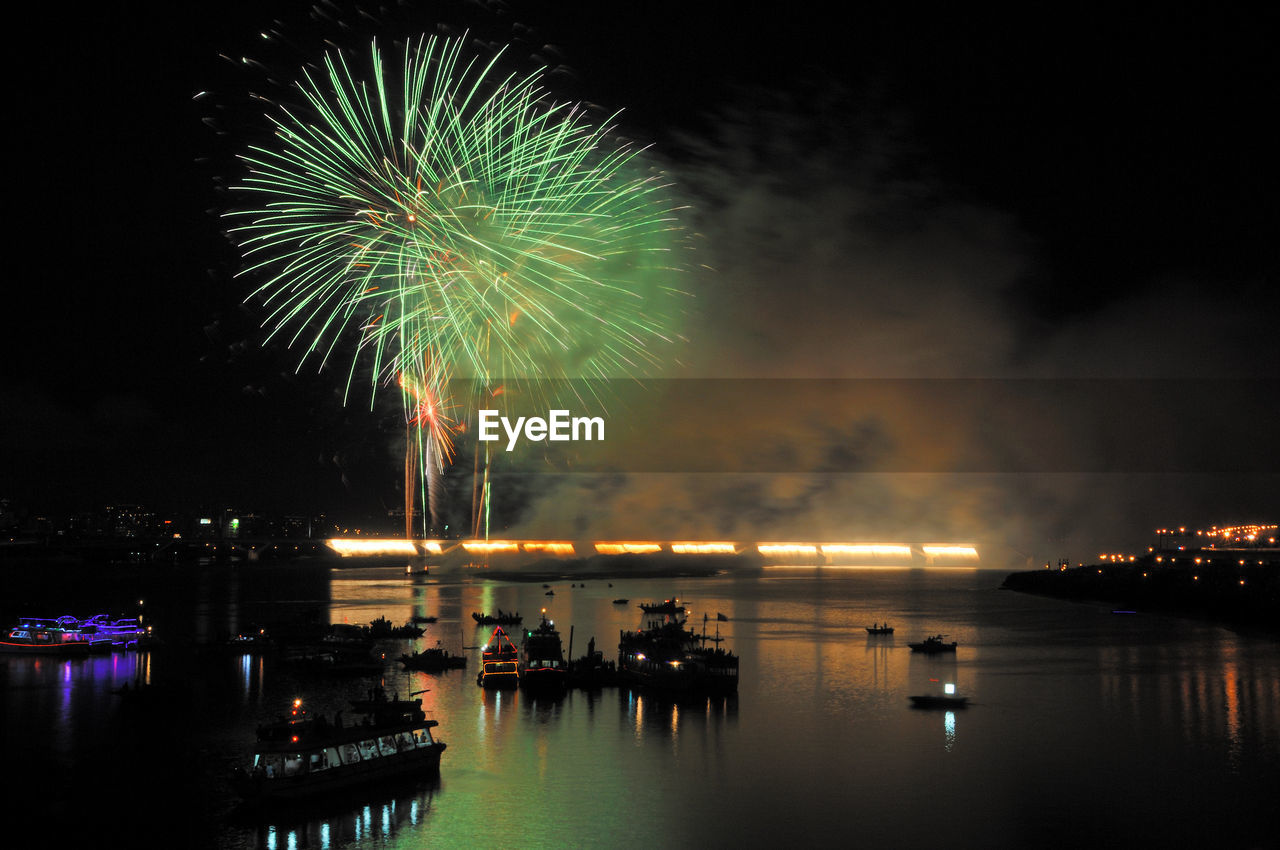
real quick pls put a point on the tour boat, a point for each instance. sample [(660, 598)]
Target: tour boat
[(35, 635), (105, 634), (301, 756)]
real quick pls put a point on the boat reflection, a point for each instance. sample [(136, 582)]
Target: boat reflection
[(661, 715), (375, 817)]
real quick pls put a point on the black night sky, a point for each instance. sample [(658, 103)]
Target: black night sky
[(882, 195)]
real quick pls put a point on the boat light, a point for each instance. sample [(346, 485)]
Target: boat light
[(949, 688)]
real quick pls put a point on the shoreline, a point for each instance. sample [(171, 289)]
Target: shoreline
[(1243, 598)]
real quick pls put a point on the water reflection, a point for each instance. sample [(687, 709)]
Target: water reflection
[(374, 817), (664, 716)]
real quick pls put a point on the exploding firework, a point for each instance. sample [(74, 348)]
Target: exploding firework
[(450, 215), (450, 221)]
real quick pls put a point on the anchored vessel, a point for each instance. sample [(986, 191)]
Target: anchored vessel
[(542, 664), (500, 619), (35, 635), (499, 666), (666, 655), (670, 607), (931, 645), (302, 756), (947, 699), (105, 634), (433, 660)]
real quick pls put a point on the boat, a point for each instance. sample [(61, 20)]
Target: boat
[(621, 601), (433, 660), (500, 662), (877, 629), (591, 671), (381, 628), (542, 664), (418, 619), (549, 593), (939, 701), (303, 756), (501, 619), (933, 645), (106, 634), (947, 699), (42, 636), (376, 703), (666, 606), (670, 657)]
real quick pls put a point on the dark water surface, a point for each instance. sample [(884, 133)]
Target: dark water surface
[(1087, 728)]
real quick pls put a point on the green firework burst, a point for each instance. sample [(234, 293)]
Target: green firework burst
[(437, 212)]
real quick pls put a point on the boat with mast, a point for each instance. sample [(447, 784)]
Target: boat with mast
[(542, 664), (500, 662)]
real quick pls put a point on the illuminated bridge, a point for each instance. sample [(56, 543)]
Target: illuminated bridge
[(777, 553)]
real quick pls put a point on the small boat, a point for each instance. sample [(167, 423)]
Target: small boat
[(939, 701), (933, 645), (501, 619), (542, 664), (419, 619), (500, 662), (300, 757), (721, 617), (35, 635), (947, 699), (877, 629), (549, 593), (591, 671), (433, 660), (621, 601), (382, 628)]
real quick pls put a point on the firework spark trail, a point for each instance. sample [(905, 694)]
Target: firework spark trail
[(453, 222), (466, 218)]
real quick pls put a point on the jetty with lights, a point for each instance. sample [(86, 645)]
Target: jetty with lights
[(302, 756)]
